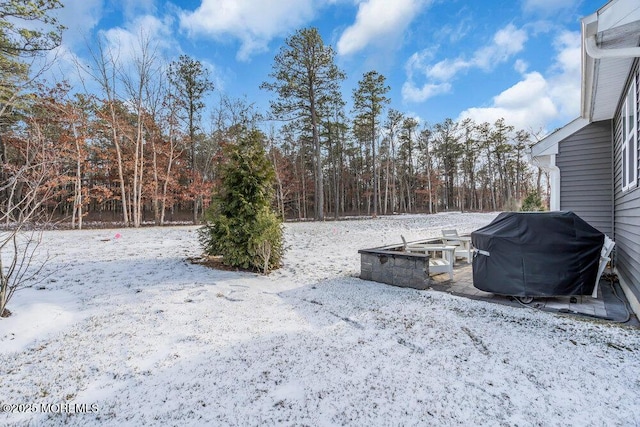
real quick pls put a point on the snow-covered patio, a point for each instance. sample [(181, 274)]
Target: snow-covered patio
[(129, 325)]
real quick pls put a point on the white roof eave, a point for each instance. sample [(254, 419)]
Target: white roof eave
[(549, 144)]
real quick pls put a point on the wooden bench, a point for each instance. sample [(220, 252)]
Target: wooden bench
[(462, 244), (437, 265)]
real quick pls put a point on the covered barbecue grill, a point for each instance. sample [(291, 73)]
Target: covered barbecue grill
[(536, 254)]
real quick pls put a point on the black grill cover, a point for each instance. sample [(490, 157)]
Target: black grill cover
[(537, 254)]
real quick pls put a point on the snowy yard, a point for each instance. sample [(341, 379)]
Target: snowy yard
[(130, 329)]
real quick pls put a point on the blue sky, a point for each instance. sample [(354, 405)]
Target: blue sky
[(517, 59)]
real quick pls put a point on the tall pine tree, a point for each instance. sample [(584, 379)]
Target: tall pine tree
[(191, 82), (368, 101), (305, 77)]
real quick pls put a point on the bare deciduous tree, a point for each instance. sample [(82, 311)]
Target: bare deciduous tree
[(105, 75), (138, 86), (29, 188)]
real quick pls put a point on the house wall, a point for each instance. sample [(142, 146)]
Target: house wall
[(627, 214), (585, 160)]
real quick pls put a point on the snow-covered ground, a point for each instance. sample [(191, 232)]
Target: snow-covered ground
[(127, 332)]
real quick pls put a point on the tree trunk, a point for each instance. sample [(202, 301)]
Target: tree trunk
[(138, 170), (156, 183), (375, 173), (319, 187), (279, 191), (116, 142), (386, 188), (77, 199)]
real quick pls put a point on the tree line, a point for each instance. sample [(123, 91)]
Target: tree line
[(137, 147)]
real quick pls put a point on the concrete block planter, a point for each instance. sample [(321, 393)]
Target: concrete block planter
[(393, 266)]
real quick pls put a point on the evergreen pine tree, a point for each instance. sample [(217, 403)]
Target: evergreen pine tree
[(241, 224), (306, 79), (532, 203)]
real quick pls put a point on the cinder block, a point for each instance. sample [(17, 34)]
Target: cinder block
[(420, 273), (405, 270)]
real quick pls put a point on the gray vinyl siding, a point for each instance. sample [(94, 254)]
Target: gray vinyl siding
[(585, 160), (627, 212)]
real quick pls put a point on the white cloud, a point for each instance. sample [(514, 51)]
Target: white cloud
[(376, 21), (526, 105), (126, 41), (537, 101), (447, 69), (418, 61), (568, 44), (506, 42), (457, 30), (522, 93), (565, 75), (131, 9), (521, 66), (548, 7), (412, 93), (62, 65), (80, 17), (252, 22)]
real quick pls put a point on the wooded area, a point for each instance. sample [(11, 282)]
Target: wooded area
[(137, 148)]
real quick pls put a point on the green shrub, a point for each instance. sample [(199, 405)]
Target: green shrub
[(240, 223), (532, 203)]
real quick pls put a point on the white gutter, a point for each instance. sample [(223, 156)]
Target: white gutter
[(598, 53), (615, 13)]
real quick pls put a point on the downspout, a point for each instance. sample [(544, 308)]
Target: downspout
[(613, 194), (554, 179)]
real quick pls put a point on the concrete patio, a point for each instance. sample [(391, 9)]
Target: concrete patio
[(611, 304)]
